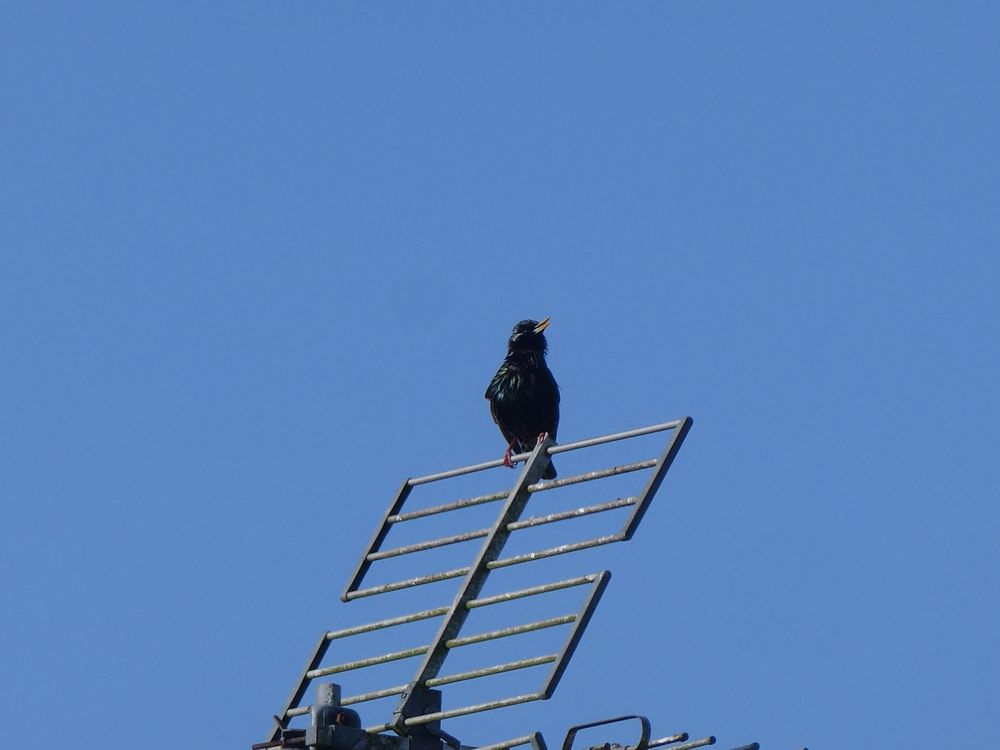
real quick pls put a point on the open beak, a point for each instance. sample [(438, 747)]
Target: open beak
[(542, 326)]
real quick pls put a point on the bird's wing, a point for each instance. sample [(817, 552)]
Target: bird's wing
[(551, 387), (497, 393), (494, 387)]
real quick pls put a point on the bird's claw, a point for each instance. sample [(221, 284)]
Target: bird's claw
[(507, 457), (541, 436)]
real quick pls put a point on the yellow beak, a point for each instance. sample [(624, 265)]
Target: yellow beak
[(542, 326)]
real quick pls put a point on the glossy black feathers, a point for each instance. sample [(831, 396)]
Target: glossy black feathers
[(523, 395)]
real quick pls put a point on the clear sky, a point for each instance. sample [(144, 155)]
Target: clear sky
[(258, 262)]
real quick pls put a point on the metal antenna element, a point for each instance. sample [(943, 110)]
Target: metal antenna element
[(419, 710), (678, 741)]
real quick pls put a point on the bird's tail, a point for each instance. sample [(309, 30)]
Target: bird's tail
[(550, 471)]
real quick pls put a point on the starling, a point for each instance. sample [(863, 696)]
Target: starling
[(523, 395)]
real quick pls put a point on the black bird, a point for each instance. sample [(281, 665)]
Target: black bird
[(523, 395)]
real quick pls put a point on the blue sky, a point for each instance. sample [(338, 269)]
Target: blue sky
[(258, 262)]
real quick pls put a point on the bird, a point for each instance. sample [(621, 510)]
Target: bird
[(523, 394)]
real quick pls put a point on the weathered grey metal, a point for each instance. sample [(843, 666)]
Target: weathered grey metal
[(511, 666), (387, 742), (704, 741), (545, 588), (468, 536), (452, 643), (535, 740), (393, 514), (451, 473), (371, 661), (373, 695), (536, 464), (644, 730), (408, 583), (473, 709), (391, 622), (300, 688), (662, 464), (560, 660), (615, 436), (444, 541), (413, 710), (515, 526), (681, 737), (644, 742), (653, 483), (562, 549), (573, 638), (376, 542), (468, 502), (621, 502), (589, 476), (492, 635)]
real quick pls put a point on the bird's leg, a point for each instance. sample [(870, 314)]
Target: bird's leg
[(541, 437), (507, 455)]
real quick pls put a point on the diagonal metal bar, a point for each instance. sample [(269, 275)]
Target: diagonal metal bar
[(653, 484), (375, 544), (537, 462), (300, 687), (593, 599)]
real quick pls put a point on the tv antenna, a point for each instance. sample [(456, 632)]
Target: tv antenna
[(415, 721)]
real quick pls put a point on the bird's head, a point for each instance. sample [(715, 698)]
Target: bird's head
[(527, 336)]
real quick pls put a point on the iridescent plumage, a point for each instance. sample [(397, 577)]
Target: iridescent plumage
[(523, 395)]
